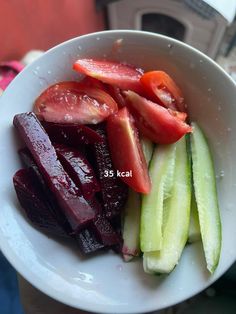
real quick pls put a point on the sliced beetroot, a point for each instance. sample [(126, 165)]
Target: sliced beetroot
[(105, 232), (89, 239), (116, 223), (99, 234), (114, 191), (49, 198), (79, 169), (35, 204), (51, 203), (88, 242), (29, 162), (71, 134), (68, 196)]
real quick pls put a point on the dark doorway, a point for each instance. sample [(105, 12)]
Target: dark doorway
[(163, 24)]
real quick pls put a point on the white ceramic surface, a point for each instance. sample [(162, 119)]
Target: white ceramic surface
[(104, 283)]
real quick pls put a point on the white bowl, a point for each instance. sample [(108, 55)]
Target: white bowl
[(105, 283)]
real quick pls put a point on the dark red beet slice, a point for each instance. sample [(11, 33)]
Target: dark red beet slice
[(55, 210), (71, 134), (79, 169), (88, 242), (87, 239), (69, 198), (34, 203), (100, 234), (28, 161), (114, 191), (105, 232)]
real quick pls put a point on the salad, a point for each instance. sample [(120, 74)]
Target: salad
[(113, 162)]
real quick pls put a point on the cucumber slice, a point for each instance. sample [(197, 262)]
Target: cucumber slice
[(132, 212), (161, 172), (147, 147), (177, 216), (206, 197), (194, 233), (131, 228)]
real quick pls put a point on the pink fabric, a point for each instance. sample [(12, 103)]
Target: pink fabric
[(8, 71)]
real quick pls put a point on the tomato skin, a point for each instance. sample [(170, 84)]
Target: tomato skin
[(154, 121), (126, 151), (116, 94), (113, 91), (161, 88), (92, 82), (178, 114), (74, 102), (114, 73)]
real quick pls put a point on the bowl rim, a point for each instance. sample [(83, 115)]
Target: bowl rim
[(126, 31), (19, 267)]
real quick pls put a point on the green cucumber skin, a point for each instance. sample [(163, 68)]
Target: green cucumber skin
[(131, 227), (194, 234), (161, 174), (176, 225), (206, 197), (147, 147), (132, 213)]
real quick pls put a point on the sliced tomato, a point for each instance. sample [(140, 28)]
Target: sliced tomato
[(92, 82), (114, 73), (161, 88), (74, 102), (116, 94), (126, 151), (154, 121), (178, 114)]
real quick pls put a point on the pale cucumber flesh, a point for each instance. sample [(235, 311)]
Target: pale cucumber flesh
[(147, 147), (161, 172), (194, 234), (177, 216), (132, 213), (131, 226), (206, 197)]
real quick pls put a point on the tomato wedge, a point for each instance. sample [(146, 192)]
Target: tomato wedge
[(126, 151), (92, 82), (154, 121), (114, 73), (74, 102), (116, 94), (161, 88), (178, 114)]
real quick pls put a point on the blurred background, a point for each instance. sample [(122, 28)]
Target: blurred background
[(28, 28), (39, 25)]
